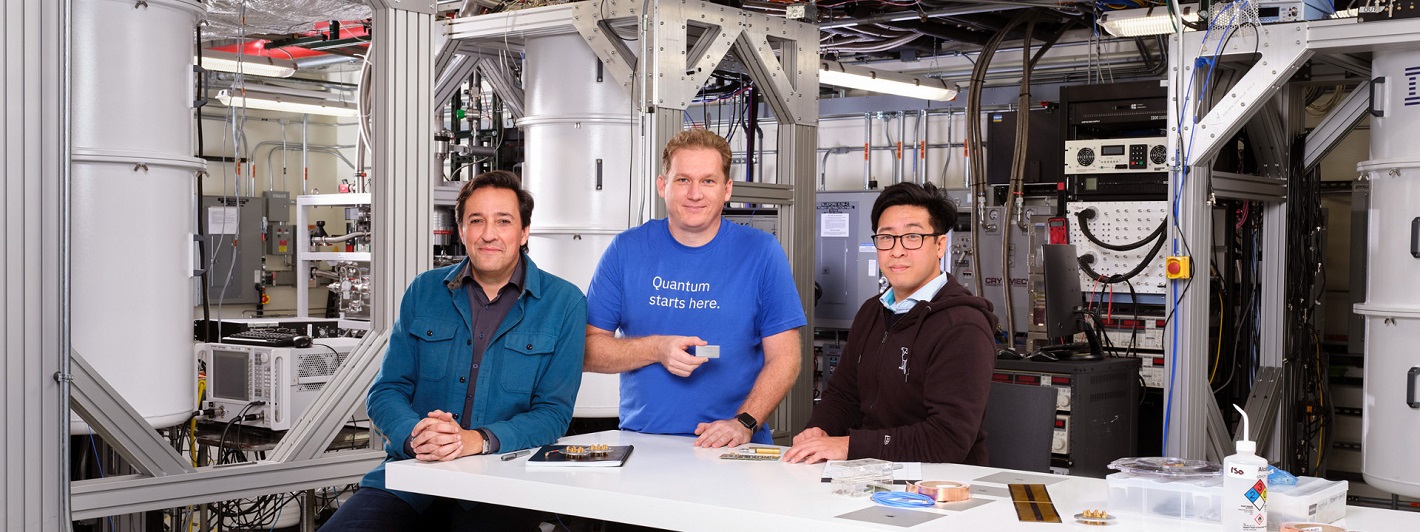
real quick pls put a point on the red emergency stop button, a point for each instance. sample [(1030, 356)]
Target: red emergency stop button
[(1177, 268)]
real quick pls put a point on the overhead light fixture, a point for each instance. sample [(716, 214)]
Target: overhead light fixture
[(868, 79), (1154, 20), (248, 64), (292, 103)]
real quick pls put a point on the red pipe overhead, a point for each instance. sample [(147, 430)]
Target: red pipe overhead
[(258, 47)]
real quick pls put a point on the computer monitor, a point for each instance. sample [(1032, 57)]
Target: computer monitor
[(1064, 305), (1062, 291)]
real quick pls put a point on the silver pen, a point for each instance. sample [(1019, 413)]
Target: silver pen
[(516, 454)]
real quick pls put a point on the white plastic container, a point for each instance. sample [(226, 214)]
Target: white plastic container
[(578, 169), (1193, 499), (1245, 487), (132, 202), (1312, 500), (1390, 426)]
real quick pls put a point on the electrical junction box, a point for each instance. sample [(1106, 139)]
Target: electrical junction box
[(278, 205), (232, 234), (846, 263), (279, 239), (1120, 223)]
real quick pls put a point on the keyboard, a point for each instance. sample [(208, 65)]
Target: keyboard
[(269, 338)]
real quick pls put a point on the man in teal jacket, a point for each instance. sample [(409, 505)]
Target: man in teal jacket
[(486, 357)]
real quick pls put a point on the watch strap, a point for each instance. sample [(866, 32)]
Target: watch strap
[(484, 434)]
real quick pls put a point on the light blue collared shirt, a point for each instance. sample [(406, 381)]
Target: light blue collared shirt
[(922, 294)]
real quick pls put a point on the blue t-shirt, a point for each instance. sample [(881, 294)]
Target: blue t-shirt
[(731, 292)]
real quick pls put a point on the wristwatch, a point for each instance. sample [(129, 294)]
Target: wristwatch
[(747, 420), (484, 435)]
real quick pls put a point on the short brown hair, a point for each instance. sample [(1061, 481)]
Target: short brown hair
[(497, 179), (697, 138)]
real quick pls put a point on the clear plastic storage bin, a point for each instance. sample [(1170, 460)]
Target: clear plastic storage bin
[(1198, 499), (1314, 500)]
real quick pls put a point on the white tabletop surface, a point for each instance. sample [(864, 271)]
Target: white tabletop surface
[(668, 483)]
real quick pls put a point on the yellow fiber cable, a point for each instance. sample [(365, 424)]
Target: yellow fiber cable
[(192, 442), (1220, 340)]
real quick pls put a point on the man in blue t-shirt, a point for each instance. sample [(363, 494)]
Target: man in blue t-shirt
[(695, 279)]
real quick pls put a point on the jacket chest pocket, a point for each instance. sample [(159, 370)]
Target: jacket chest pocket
[(524, 356), (435, 341)]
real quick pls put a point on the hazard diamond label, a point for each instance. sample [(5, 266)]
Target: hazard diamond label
[(1257, 495)]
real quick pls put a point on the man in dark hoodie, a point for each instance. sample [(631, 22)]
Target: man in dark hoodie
[(914, 377)]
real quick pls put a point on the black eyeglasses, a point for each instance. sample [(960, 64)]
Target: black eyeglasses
[(910, 241)]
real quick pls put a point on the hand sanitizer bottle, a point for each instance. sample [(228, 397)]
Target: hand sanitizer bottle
[(1245, 487)]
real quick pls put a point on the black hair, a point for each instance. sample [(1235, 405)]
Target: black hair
[(941, 210), (498, 179)]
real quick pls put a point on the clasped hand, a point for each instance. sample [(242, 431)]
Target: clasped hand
[(438, 438)]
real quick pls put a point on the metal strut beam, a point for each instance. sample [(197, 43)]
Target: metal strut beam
[(1337, 124), (136, 493), (312, 434), (120, 424)]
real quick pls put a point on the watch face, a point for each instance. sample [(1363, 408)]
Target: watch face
[(747, 420)]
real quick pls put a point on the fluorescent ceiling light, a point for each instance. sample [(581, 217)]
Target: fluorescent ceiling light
[(1145, 21), (856, 77), (248, 64), (251, 99)]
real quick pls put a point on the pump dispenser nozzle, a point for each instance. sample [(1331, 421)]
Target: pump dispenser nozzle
[(1245, 444)]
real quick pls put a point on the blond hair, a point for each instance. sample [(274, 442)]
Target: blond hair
[(697, 138)]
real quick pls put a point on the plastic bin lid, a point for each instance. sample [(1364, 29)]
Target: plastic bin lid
[(1167, 467)]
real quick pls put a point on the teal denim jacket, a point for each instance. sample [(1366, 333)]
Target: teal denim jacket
[(531, 370)]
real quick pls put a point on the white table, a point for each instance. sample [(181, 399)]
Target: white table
[(668, 483)]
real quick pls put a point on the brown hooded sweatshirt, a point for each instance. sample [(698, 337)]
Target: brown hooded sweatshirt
[(914, 388)]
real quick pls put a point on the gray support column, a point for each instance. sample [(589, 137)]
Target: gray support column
[(34, 153), (796, 167), (1186, 336), (1274, 345), (402, 140)]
